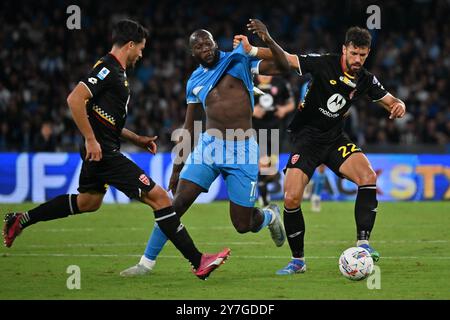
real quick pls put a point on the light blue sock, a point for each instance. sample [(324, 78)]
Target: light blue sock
[(155, 244), (267, 219)]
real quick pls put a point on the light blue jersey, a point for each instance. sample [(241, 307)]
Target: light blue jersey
[(235, 63), (204, 163)]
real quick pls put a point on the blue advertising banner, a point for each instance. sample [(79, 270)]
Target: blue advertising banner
[(39, 177)]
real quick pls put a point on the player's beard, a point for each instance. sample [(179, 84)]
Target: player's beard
[(132, 63), (350, 69), (212, 63)]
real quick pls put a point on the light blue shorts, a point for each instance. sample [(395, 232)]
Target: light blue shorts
[(237, 161)]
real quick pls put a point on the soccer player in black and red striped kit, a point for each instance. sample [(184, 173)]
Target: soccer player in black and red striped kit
[(317, 134), (99, 106)]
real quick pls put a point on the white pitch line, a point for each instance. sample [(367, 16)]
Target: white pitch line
[(234, 243), (150, 228), (179, 257)]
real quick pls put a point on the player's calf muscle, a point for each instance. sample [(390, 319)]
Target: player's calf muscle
[(89, 202), (157, 198)]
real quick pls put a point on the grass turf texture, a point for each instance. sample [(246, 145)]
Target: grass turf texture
[(412, 237)]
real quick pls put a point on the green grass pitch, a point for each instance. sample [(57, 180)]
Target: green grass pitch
[(412, 237)]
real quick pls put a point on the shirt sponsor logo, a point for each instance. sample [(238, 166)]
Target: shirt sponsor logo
[(328, 113), (103, 73), (336, 102)]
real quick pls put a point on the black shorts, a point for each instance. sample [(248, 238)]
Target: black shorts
[(116, 170), (308, 153)]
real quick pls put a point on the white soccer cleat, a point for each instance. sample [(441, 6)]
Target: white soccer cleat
[(276, 227), (144, 267)]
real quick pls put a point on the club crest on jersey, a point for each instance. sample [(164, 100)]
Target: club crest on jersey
[(143, 178), (295, 158), (103, 73)]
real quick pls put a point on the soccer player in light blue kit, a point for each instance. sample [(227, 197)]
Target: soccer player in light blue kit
[(222, 88)]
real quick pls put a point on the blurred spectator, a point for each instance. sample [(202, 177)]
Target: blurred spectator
[(45, 140)]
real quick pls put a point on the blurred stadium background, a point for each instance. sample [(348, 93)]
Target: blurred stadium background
[(41, 61)]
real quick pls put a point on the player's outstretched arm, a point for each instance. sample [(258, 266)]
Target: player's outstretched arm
[(263, 53), (143, 142), (77, 104), (194, 113), (260, 29), (395, 106)]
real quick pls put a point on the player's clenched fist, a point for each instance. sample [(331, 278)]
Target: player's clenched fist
[(241, 38), (398, 110)]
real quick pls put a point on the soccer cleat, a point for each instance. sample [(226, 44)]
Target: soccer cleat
[(12, 228), (142, 268), (293, 267), (276, 227), (373, 253), (210, 262)]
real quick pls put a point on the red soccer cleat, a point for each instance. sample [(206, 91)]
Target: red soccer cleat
[(12, 228), (210, 262)]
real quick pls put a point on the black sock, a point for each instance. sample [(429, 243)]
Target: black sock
[(59, 207), (294, 224), (262, 188), (170, 224), (258, 217), (365, 211)]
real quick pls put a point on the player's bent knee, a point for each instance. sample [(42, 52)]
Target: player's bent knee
[(367, 177), (291, 200)]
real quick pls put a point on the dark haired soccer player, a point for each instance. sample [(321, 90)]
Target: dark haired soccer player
[(99, 108), (317, 134)]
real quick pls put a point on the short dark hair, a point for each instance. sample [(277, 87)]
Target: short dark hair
[(127, 30), (359, 37)]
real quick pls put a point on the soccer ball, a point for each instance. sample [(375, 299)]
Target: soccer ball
[(355, 263)]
